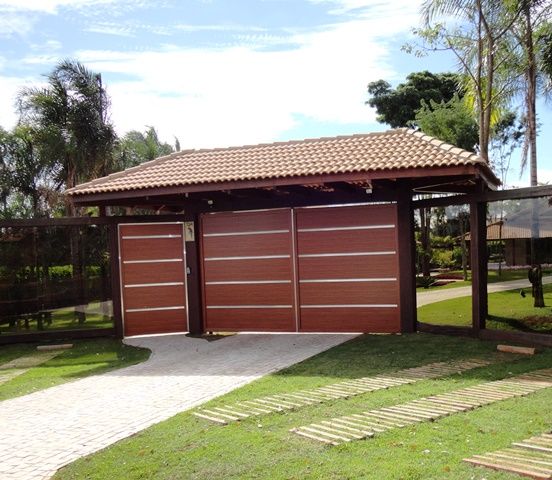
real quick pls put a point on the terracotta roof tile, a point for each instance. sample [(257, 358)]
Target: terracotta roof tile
[(383, 151)]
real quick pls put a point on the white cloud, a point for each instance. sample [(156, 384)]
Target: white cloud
[(10, 86), (248, 91), (242, 94), (12, 24), (111, 29), (53, 6)]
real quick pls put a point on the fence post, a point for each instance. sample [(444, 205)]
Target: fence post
[(193, 276), (115, 279), (407, 258), (478, 263)]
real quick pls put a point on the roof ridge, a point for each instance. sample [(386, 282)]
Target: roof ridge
[(296, 141)]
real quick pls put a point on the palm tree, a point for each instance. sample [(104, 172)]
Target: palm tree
[(480, 46), (70, 118)]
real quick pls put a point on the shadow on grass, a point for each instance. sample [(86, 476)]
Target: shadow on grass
[(519, 324)]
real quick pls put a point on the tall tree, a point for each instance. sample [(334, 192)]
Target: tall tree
[(450, 121), (26, 177), (397, 107), (138, 147), (71, 121), (478, 37)]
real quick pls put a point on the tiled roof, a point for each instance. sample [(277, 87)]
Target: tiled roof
[(383, 151)]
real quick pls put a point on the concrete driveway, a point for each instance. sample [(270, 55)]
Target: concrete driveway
[(41, 432)]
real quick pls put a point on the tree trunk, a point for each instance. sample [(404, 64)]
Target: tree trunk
[(531, 97), (425, 219)]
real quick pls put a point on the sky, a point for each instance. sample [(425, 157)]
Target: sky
[(217, 73)]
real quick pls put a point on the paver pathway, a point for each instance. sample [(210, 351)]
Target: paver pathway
[(20, 365), (45, 430), (432, 296)]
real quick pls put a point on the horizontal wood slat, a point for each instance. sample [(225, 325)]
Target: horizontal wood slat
[(345, 216), (143, 229), (269, 269), (380, 320), (226, 222), (347, 241), (347, 267), (153, 273), (261, 294), (268, 320), (250, 245), (142, 323), (150, 297), (151, 248), (347, 293)]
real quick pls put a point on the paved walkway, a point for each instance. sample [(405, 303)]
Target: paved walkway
[(425, 298), (43, 431)]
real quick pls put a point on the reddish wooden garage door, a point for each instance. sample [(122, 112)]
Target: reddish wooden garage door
[(153, 278), (248, 271), (348, 269)]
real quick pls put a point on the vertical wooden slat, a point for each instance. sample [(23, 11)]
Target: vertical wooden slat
[(478, 259), (193, 278), (407, 259), (115, 279)]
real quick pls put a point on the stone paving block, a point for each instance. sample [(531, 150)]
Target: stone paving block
[(82, 417)]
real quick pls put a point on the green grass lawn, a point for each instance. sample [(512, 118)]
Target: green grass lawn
[(185, 447), (493, 277), (507, 311), (62, 319), (87, 357)]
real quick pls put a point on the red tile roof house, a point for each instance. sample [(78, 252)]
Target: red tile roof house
[(311, 236)]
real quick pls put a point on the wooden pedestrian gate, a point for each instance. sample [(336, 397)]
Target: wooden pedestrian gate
[(153, 278), (328, 269)]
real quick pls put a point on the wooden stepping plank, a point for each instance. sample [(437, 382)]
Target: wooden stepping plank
[(212, 419), (424, 409), (280, 398), (342, 431), (409, 411), (333, 436), (532, 446), (231, 412), (219, 414), (313, 437), (260, 404), (349, 388), (531, 458), (483, 462), (256, 408), (365, 429), (521, 458)]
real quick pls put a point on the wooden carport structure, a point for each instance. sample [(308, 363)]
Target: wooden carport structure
[(256, 251)]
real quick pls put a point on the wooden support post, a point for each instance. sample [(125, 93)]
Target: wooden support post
[(478, 261), (115, 279), (407, 258), (193, 279)]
